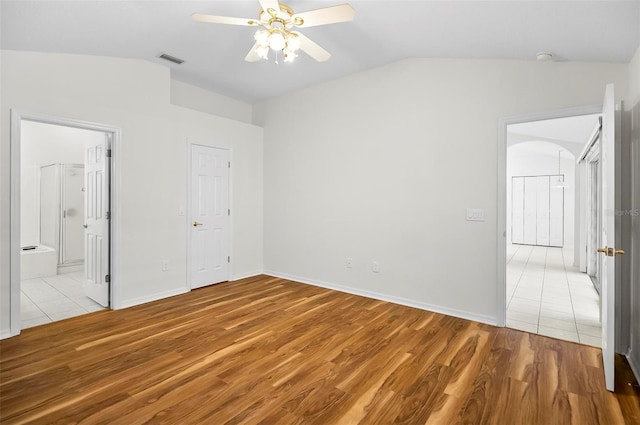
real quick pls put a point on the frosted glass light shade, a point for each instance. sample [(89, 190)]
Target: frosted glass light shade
[(276, 41)]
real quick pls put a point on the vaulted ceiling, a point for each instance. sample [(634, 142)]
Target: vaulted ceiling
[(382, 32)]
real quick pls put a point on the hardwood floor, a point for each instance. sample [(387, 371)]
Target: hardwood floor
[(269, 351)]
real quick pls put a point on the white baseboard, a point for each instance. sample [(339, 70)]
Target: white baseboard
[(239, 276), (5, 333), (152, 297), (389, 298), (635, 365)]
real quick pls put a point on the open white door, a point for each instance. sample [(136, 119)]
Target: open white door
[(607, 259), (209, 227), (96, 234)]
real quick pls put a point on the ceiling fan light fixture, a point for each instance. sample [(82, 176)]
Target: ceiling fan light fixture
[(262, 37), (263, 51), (289, 55), (277, 40), (293, 42)]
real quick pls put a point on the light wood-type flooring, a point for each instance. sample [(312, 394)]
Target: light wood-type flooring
[(270, 351)]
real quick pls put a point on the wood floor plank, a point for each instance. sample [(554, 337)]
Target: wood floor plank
[(265, 350)]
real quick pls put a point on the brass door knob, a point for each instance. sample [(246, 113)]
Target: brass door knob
[(610, 252), (196, 224)]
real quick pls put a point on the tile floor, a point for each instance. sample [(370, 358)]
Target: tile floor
[(54, 298), (548, 296)]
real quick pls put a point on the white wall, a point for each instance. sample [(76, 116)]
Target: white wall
[(44, 144), (192, 97), (135, 97), (633, 108), (541, 158), (381, 165)]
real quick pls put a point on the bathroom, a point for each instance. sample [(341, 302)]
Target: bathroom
[(52, 220)]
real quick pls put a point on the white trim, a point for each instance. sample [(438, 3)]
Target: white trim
[(190, 144), (501, 228), (153, 297), (635, 367), (246, 275), (388, 298), (595, 135), (14, 267)]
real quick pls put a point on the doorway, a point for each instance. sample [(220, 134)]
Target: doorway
[(545, 290), (61, 174)]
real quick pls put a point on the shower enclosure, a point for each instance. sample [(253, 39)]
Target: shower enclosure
[(62, 212)]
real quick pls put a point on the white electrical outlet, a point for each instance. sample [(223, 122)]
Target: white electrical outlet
[(165, 266), (349, 262), (375, 267)]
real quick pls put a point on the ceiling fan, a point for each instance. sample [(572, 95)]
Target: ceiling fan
[(277, 21)]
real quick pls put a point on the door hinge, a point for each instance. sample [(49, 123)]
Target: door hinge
[(228, 259), (229, 163), (229, 211), (108, 215), (107, 278), (108, 154)]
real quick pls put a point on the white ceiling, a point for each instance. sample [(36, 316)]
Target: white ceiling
[(382, 32), (570, 133)]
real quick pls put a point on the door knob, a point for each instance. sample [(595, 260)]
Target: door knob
[(196, 224), (610, 252), (84, 225)]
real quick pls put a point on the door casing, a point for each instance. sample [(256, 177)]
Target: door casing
[(501, 228), (14, 266)]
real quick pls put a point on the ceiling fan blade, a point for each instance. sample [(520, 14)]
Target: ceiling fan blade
[(252, 56), (312, 49), (213, 19), (325, 16), (270, 4)]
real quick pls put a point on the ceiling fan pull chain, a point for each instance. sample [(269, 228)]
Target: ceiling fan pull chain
[(277, 58)]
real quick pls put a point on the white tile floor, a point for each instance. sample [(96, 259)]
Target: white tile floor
[(548, 296), (54, 298)]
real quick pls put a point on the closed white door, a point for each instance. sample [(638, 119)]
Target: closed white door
[(96, 234), (209, 209), (608, 249)]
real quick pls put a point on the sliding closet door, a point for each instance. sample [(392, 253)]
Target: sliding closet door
[(517, 210), (530, 211), (537, 211), (556, 215), (542, 210)]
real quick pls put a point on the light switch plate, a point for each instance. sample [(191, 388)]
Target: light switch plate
[(475, 214)]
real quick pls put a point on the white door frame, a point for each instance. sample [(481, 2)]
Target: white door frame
[(187, 221), (501, 228), (14, 266)]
